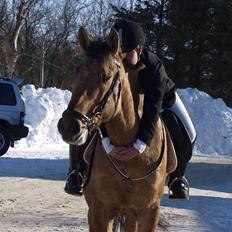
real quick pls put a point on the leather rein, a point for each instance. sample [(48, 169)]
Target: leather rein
[(149, 173)]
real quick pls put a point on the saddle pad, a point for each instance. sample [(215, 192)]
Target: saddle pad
[(171, 157)]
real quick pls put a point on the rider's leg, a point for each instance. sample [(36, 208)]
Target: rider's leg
[(74, 180), (180, 111), (73, 158), (178, 184)]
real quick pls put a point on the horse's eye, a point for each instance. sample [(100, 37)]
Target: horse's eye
[(104, 77)]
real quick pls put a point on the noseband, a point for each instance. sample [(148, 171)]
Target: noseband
[(89, 120)]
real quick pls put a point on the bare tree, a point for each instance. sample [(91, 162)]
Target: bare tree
[(38, 37), (98, 16), (13, 22), (131, 5), (56, 30)]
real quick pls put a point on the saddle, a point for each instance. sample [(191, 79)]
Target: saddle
[(178, 143), (179, 136), (95, 141)]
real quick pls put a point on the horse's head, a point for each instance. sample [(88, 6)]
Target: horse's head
[(96, 90)]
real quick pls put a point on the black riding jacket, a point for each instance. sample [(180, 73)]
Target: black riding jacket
[(159, 92)]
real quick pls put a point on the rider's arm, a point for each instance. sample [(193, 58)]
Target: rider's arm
[(153, 80)]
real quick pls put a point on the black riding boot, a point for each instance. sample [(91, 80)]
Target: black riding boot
[(178, 184), (74, 181)]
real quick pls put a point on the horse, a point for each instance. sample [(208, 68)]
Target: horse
[(104, 92)]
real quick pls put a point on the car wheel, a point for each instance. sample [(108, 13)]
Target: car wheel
[(4, 141)]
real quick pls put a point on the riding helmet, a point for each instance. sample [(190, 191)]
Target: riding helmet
[(131, 35)]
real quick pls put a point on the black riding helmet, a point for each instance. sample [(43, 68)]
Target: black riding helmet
[(131, 35)]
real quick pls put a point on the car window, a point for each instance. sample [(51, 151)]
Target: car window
[(7, 95)]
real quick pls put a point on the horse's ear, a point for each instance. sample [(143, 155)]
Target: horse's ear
[(84, 38), (113, 42)]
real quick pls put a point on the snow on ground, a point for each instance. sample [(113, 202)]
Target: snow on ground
[(32, 198), (211, 117)]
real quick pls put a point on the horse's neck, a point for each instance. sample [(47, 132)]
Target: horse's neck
[(123, 128)]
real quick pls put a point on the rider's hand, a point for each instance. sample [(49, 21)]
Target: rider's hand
[(123, 153)]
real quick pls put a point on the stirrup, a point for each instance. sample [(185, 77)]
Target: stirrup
[(81, 179), (81, 182), (170, 192), (77, 188), (72, 172), (79, 174)]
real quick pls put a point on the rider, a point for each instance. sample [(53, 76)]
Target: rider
[(159, 93)]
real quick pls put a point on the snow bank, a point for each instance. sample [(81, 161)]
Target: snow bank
[(211, 117), (43, 108), (213, 122)]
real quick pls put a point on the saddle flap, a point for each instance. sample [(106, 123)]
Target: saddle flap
[(171, 157)]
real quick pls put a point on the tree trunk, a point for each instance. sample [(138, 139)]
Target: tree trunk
[(42, 64), (13, 53), (131, 5)]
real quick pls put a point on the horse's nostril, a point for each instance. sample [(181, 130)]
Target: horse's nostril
[(75, 129)]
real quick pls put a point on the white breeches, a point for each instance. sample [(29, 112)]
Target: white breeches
[(179, 109)]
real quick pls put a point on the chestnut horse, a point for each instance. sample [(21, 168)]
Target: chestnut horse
[(103, 93)]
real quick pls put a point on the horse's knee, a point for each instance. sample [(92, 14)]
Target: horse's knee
[(149, 219), (99, 220), (130, 224)]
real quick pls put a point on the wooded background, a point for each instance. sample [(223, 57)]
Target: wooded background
[(193, 38)]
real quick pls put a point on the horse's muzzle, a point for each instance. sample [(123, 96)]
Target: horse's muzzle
[(72, 132)]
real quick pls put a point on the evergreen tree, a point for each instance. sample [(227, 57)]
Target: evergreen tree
[(151, 15), (188, 41), (222, 51), (194, 39)]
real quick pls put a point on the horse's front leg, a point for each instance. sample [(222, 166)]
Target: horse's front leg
[(100, 219), (148, 219), (130, 224)]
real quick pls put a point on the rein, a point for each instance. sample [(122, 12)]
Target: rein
[(89, 120), (149, 173), (120, 172)]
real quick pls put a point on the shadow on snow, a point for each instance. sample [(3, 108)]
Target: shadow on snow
[(34, 168)]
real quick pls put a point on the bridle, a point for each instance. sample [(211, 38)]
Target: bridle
[(90, 121)]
